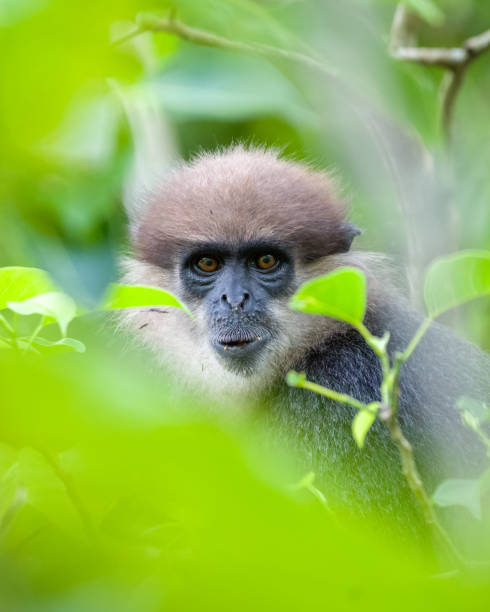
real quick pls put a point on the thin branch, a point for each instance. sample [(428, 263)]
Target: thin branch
[(342, 398), (412, 476), (455, 60), (196, 36)]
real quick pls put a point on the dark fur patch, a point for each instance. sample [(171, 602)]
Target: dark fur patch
[(242, 195)]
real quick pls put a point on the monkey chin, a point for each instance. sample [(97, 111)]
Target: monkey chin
[(241, 355)]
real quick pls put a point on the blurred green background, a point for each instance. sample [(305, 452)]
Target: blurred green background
[(80, 118), (84, 123)]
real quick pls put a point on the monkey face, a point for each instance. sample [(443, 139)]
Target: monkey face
[(233, 234), (234, 286)]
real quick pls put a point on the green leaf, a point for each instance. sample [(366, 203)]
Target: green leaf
[(55, 305), (476, 408), (362, 424), (4, 344), (294, 379), (340, 294), (460, 492), (428, 10), (458, 278), (17, 284), (47, 492), (135, 296), (60, 346)]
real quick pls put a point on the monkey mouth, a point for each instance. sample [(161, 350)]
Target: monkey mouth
[(240, 342), (239, 348)]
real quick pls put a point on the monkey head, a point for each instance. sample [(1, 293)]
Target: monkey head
[(233, 234)]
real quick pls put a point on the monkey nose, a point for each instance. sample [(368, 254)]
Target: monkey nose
[(236, 302)]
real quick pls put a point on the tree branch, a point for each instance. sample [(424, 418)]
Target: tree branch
[(455, 60), (204, 38)]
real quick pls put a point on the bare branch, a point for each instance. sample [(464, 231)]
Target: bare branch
[(204, 38), (432, 56), (455, 60)]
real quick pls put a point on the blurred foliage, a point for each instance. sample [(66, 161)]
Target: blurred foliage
[(115, 492)]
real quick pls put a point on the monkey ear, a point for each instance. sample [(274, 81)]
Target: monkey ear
[(347, 233)]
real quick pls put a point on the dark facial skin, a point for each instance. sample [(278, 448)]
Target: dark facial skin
[(236, 285)]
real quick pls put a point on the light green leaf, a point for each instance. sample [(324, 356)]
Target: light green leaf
[(428, 10), (458, 278), (136, 296), (63, 345), (55, 305), (341, 295), (475, 408), (361, 425), (295, 379), (17, 284), (459, 492)]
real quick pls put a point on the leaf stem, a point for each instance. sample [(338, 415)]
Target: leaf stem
[(343, 398), (414, 481), (416, 339), (35, 333)]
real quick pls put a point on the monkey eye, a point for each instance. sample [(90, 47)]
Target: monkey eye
[(207, 264), (266, 262)]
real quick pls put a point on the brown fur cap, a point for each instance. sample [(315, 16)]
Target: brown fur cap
[(242, 195)]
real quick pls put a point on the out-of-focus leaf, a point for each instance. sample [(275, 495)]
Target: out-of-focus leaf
[(18, 283), (86, 135), (460, 492), (135, 296), (453, 280), (476, 408), (47, 492), (212, 85), (428, 10), (55, 305), (60, 346), (294, 379), (361, 425), (12, 11), (4, 344), (341, 295)]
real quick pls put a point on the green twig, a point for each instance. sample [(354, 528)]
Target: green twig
[(390, 392), (415, 340), (409, 466), (343, 398), (414, 481)]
